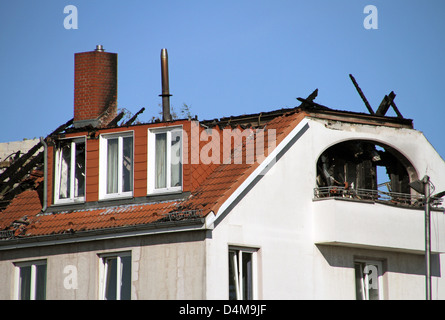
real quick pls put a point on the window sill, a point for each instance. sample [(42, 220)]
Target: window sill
[(116, 196), (103, 203), (157, 192), (63, 202)]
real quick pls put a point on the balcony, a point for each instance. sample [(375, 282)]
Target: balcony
[(375, 219), (392, 198)]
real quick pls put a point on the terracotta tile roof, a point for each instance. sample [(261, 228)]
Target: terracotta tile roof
[(93, 219), (17, 216), (216, 184), (24, 216)]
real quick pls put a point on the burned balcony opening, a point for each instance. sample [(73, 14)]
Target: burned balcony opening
[(365, 170)]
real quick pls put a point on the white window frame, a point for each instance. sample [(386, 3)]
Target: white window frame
[(239, 271), (71, 198), (103, 147), (365, 277), (151, 160), (103, 272), (33, 280)]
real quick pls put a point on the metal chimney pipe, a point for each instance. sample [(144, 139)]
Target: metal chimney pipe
[(166, 116)]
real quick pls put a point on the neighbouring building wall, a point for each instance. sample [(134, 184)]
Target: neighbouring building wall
[(164, 266), (8, 149), (276, 217)]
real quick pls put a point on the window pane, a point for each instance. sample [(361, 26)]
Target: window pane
[(127, 164), (65, 171), (161, 161), (359, 282), (247, 275), (126, 278), (367, 281), (110, 281), (373, 282), (41, 282), (80, 170), (25, 283), (233, 275), (240, 275), (176, 155), (112, 165)]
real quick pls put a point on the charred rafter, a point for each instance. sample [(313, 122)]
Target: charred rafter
[(388, 101)]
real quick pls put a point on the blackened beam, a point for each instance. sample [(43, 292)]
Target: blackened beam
[(9, 185), (134, 117), (393, 105), (360, 92), (313, 95), (312, 103), (309, 100), (9, 172), (385, 104), (116, 119)]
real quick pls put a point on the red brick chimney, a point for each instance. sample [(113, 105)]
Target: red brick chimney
[(95, 88)]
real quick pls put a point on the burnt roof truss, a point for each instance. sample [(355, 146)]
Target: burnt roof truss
[(388, 101)]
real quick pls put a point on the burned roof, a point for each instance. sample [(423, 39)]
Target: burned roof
[(21, 185)]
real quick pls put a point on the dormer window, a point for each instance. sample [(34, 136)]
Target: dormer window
[(70, 171), (116, 165), (165, 160)]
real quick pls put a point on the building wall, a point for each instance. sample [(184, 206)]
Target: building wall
[(277, 217), (9, 148), (164, 266)]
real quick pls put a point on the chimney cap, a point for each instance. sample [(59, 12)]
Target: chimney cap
[(99, 48)]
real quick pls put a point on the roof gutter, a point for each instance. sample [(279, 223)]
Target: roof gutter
[(104, 234)]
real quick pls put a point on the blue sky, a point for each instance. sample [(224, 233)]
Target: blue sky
[(225, 57)]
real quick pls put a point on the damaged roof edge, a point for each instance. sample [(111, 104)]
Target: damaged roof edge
[(261, 118), (361, 118), (105, 234)]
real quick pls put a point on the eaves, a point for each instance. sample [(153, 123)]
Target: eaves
[(197, 224)]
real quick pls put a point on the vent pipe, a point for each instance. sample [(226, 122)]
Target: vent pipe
[(166, 116)]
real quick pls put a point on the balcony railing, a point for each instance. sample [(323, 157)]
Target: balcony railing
[(395, 198)]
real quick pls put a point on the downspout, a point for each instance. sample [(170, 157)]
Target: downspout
[(45, 173)]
